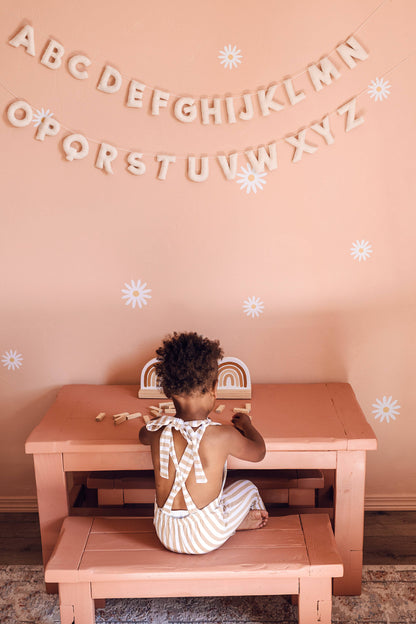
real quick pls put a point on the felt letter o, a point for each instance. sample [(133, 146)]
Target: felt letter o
[(20, 105), (73, 69), (71, 152)]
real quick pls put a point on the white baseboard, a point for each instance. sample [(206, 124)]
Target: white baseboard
[(15, 504), (399, 502)]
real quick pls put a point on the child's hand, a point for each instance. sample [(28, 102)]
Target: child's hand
[(241, 421)]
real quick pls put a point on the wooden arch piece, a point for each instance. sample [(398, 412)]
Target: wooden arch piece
[(149, 387), (233, 380)]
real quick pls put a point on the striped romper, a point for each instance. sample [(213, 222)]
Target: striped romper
[(196, 531)]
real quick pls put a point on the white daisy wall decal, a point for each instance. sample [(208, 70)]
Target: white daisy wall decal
[(12, 359), (136, 293), (230, 57), (386, 409), (361, 250), (251, 180), (253, 306), (379, 89), (40, 116)]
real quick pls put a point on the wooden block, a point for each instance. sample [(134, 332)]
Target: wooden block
[(100, 416), (110, 497), (248, 406), (153, 407), (137, 496), (120, 415), (167, 405), (220, 408), (300, 497), (133, 416), (280, 496), (170, 411), (146, 418), (120, 419), (241, 410)]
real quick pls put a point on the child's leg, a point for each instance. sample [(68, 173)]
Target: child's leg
[(243, 506)]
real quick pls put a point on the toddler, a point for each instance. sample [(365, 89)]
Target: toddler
[(194, 512)]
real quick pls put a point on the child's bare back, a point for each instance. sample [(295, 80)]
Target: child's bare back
[(216, 444)]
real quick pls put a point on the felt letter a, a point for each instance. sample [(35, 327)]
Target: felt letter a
[(25, 37)]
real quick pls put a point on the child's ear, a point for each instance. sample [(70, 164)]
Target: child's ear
[(214, 388)]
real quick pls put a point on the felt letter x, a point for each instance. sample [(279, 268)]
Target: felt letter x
[(301, 146)]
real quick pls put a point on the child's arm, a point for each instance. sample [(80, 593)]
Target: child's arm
[(144, 435), (245, 441)]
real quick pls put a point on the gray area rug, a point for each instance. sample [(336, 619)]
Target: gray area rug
[(388, 597)]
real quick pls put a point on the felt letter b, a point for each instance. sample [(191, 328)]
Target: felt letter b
[(52, 57)]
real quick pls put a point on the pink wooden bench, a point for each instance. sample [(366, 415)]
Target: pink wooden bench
[(98, 558)]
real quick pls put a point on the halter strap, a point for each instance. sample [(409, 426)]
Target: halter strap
[(189, 458)]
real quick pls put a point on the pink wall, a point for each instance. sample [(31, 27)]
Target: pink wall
[(73, 235)]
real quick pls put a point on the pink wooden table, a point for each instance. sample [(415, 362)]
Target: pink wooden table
[(304, 426)]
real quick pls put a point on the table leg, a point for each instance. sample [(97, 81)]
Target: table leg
[(52, 502), (349, 520)]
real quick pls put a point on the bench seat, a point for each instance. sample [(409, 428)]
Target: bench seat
[(106, 557)]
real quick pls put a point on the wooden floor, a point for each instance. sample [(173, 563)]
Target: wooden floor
[(389, 538)]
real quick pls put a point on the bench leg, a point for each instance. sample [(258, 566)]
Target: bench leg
[(76, 603), (315, 600)]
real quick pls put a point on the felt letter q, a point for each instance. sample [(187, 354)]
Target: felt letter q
[(71, 152), (26, 108)]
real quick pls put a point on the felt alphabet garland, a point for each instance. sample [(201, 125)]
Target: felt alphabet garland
[(186, 109), (76, 146)]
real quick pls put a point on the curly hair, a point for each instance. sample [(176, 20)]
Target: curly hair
[(187, 363)]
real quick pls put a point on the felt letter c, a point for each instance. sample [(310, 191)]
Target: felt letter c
[(73, 69)]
